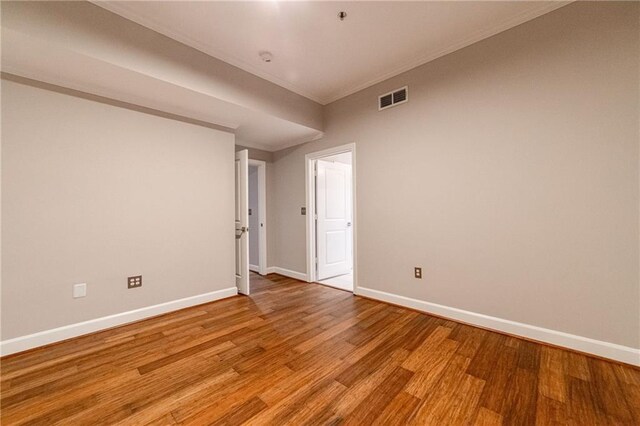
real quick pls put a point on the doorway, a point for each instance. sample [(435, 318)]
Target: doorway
[(331, 219), (250, 219)]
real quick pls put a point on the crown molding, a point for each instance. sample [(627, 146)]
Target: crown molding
[(538, 9), (121, 9)]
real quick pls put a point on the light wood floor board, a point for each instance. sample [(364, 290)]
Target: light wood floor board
[(297, 353)]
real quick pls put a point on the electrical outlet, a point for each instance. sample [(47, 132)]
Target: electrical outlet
[(417, 272), (303, 211), (79, 290), (134, 282)]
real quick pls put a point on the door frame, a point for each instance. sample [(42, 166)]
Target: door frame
[(309, 160), (262, 214)]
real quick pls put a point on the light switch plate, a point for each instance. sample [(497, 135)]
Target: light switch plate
[(79, 290)]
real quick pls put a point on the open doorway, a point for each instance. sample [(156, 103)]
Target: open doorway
[(250, 219), (331, 226), (257, 217)]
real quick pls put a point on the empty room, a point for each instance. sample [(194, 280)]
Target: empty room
[(320, 213)]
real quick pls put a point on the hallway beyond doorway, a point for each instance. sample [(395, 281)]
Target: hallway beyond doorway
[(342, 282), (331, 224)]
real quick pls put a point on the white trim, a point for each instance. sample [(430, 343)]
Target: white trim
[(310, 203), (537, 9), (243, 281), (262, 212), (254, 268), (583, 344), (287, 273), (46, 337)]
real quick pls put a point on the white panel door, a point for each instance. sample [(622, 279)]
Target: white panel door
[(242, 221), (333, 225)]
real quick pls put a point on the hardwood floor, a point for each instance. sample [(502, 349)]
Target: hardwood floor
[(297, 353)]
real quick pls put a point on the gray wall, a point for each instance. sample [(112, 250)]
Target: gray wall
[(257, 154), (95, 193), (510, 176)]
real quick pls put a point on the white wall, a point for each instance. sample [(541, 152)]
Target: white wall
[(94, 193), (511, 176), (254, 217)]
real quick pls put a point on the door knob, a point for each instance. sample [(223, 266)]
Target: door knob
[(242, 231)]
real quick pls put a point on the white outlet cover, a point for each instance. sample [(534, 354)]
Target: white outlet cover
[(79, 290)]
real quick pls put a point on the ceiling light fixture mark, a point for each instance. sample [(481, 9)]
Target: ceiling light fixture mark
[(266, 56)]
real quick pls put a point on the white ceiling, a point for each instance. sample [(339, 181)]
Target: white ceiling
[(314, 53)]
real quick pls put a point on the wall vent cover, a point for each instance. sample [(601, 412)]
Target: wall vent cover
[(393, 98)]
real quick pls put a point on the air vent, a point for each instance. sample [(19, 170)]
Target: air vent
[(386, 101), (393, 98)]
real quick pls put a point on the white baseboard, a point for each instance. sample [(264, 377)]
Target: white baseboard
[(583, 344), (287, 273), (46, 337), (254, 268)]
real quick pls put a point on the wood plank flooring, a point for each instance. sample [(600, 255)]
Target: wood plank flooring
[(296, 353)]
